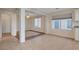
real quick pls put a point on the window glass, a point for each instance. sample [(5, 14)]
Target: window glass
[(37, 22), (56, 24), (69, 24), (62, 24)]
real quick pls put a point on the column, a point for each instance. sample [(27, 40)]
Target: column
[(0, 27), (13, 25), (22, 25), (48, 24), (76, 24)]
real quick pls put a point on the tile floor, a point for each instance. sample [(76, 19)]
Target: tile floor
[(41, 42)]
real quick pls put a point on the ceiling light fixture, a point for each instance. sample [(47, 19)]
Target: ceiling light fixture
[(28, 16)]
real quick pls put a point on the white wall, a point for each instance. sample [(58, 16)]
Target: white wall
[(26, 24), (13, 24), (7, 18), (6, 23)]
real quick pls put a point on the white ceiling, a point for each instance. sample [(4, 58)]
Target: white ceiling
[(38, 11), (43, 11)]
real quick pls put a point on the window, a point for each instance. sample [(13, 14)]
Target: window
[(56, 24), (37, 22), (65, 24)]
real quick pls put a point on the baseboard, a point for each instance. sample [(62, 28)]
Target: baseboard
[(36, 31), (61, 36), (6, 33)]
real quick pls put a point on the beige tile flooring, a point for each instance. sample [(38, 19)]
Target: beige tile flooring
[(42, 42)]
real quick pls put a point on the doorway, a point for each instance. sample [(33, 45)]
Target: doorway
[(6, 24)]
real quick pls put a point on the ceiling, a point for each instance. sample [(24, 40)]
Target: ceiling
[(43, 11), (37, 11)]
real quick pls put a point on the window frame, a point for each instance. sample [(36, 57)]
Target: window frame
[(60, 19), (38, 23)]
